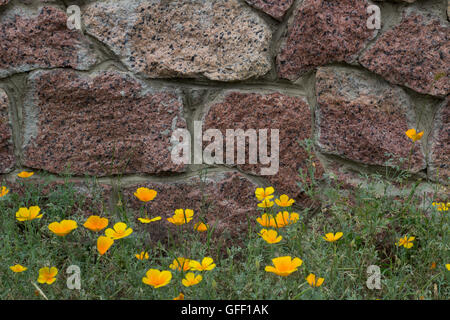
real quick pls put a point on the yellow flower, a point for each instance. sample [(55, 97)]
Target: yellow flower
[(18, 268), (180, 297), (263, 194), (284, 201), (148, 220), (103, 244), (96, 223), (448, 266), (200, 227), (284, 219), (191, 279), (3, 191), (179, 263), (206, 265), (441, 206), (413, 135), (181, 217), (25, 174), (145, 194), (265, 204), (156, 278), (281, 220), (313, 282), (270, 236), (266, 220), (284, 266), (119, 231), (47, 275), (330, 237), (25, 214), (142, 256), (406, 242), (62, 228)]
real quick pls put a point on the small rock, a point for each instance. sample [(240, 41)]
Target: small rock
[(415, 53), (364, 120), (31, 41), (84, 124), (216, 39), (323, 32), (290, 115), (275, 8)]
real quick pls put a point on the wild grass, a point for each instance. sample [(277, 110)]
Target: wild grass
[(371, 223)]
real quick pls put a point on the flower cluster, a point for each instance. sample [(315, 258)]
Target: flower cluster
[(65, 227), (277, 219), (285, 265), (157, 278), (160, 278), (441, 206)]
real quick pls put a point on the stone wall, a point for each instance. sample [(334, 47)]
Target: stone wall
[(104, 101)]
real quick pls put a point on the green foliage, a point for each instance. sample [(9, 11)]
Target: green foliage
[(372, 223)]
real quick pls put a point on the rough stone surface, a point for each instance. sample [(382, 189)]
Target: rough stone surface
[(106, 102), (408, 1), (362, 119), (6, 145), (439, 155), (275, 8), (229, 198), (323, 32), (291, 115), (415, 53), (29, 41), (217, 39), (104, 124)]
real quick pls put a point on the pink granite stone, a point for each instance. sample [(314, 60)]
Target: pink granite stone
[(215, 39), (275, 8), (290, 114), (6, 145), (228, 199), (362, 119), (30, 41), (439, 141), (415, 53), (408, 1), (323, 32), (102, 124)]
